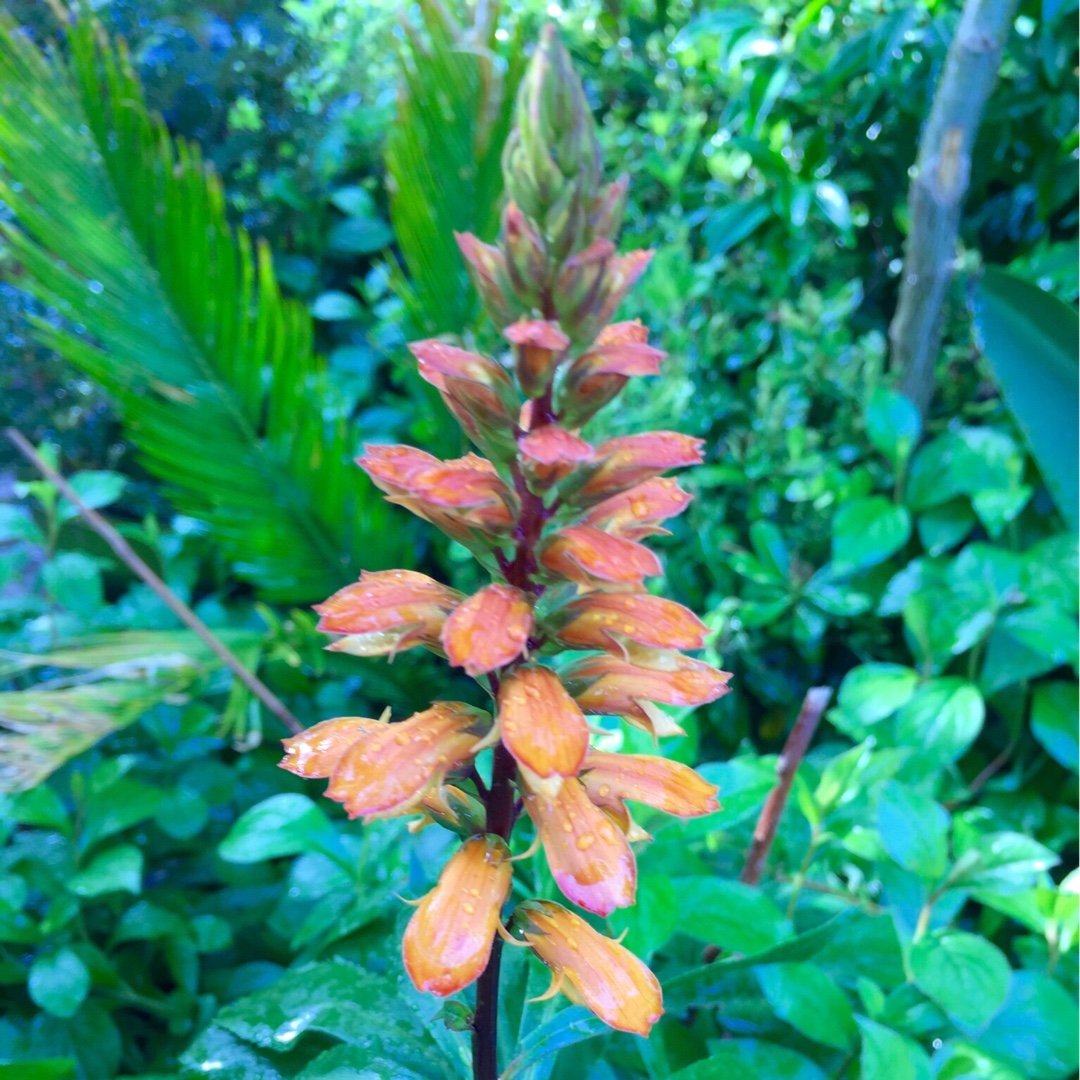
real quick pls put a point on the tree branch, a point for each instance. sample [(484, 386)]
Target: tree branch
[(813, 708), (173, 602), (942, 173)]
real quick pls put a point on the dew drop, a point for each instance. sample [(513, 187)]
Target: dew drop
[(585, 842)]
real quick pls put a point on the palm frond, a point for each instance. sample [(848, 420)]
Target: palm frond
[(444, 154), (124, 675), (178, 316)]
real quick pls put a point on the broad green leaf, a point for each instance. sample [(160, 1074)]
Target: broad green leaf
[(731, 1058), (913, 829), (964, 974), (888, 1055), (1054, 721), (963, 462), (360, 236), (869, 694), (59, 982), (61, 1068), (117, 869), (943, 718), (805, 997), (73, 581), (1036, 1031), (336, 307), (97, 489), (1027, 643), (1029, 340), (570, 1026), (17, 524), (960, 1060), (893, 424), (149, 922), (730, 915), (285, 824), (867, 531), (732, 224), (943, 527), (655, 915), (187, 336), (1005, 862)]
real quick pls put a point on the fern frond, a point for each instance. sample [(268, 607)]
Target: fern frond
[(178, 316), (444, 155)]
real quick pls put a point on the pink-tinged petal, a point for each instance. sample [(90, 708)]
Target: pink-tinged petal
[(316, 752), (389, 771), (488, 630), (596, 971), (630, 459), (589, 857), (541, 724), (606, 620), (665, 785), (554, 445), (447, 943), (537, 332), (540, 347), (636, 512), (612, 686), (488, 271), (586, 555)]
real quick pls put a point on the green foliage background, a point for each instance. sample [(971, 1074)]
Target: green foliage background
[(173, 905)]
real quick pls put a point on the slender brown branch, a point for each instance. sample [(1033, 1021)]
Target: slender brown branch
[(813, 708), (138, 567)]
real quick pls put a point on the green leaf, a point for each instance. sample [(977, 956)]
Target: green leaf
[(359, 236), (117, 869), (17, 524), (59, 1068), (1004, 862), (867, 531), (59, 983), (869, 694), (655, 915), (892, 423), (888, 1055), (732, 224), (942, 719), (1054, 721), (124, 231), (963, 462), (943, 527), (1027, 643), (149, 922), (1029, 340), (1036, 1030), (731, 1058), (729, 914), (96, 488), (964, 974), (74, 582), (285, 824), (805, 997), (913, 829), (566, 1028), (336, 306)]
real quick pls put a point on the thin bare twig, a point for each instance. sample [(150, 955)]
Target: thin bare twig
[(138, 567), (813, 707)]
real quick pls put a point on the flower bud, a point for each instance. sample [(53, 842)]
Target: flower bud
[(316, 752), (549, 453), (658, 782), (605, 620), (447, 943), (588, 555), (540, 347), (609, 207), (488, 273), (488, 630), (591, 969), (525, 257), (629, 459), (636, 512)]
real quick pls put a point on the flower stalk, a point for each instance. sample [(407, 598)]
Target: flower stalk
[(559, 522)]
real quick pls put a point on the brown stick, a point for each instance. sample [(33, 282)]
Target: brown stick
[(813, 707), (188, 617)]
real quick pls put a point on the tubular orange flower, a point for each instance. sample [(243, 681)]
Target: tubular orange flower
[(635, 513), (586, 555), (542, 725), (447, 943), (488, 630), (630, 459), (591, 969), (389, 771), (550, 452), (316, 752), (612, 686), (540, 346), (604, 620), (665, 785), (388, 611), (590, 859)]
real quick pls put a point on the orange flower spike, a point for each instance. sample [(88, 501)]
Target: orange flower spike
[(389, 771), (589, 857), (665, 785), (316, 752), (550, 452), (585, 554), (388, 611), (540, 347), (630, 459), (447, 943), (592, 969), (541, 725), (488, 630), (602, 620), (636, 512)]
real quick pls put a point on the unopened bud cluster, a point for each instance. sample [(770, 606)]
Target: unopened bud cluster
[(559, 522)]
